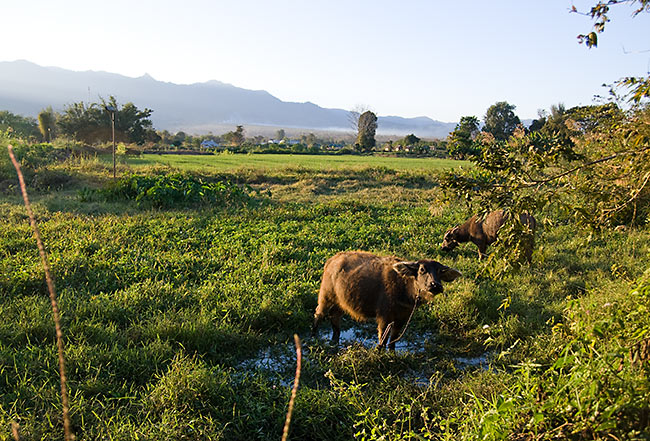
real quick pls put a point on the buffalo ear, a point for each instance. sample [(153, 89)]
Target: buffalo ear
[(405, 269), (448, 274)]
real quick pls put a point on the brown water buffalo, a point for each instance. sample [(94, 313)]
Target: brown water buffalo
[(484, 232), (368, 286)]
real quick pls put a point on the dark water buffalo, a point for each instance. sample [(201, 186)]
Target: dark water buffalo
[(484, 232), (368, 286)]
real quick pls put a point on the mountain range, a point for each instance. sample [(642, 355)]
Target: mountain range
[(26, 88)]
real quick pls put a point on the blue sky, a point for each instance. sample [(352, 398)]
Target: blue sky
[(440, 59)]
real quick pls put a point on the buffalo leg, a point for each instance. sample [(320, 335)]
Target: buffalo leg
[(335, 314), (395, 333), (482, 248), (382, 327), (318, 317)]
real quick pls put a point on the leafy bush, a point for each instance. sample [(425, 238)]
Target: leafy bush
[(593, 386), (34, 160), (173, 190)]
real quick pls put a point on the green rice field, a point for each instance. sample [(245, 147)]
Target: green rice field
[(222, 162)]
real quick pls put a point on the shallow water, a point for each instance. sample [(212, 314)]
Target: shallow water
[(279, 361), (482, 361), (366, 336)]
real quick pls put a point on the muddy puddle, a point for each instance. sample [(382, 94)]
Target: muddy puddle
[(279, 361)]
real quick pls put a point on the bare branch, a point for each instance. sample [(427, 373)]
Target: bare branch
[(580, 167)]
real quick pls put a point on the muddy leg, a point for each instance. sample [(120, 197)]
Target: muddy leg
[(394, 334), (335, 317), (318, 317), (382, 327), (314, 326)]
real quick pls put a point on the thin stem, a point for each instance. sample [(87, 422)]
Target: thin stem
[(287, 422), (50, 287)]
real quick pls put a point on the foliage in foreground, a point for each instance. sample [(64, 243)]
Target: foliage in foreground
[(593, 386)]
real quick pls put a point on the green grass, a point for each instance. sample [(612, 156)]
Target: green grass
[(230, 162), (164, 310)]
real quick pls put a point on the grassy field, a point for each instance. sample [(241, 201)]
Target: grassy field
[(225, 162), (179, 321)]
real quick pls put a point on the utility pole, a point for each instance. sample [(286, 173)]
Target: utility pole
[(113, 110)]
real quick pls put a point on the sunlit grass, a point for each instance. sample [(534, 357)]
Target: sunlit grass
[(166, 310), (229, 162)]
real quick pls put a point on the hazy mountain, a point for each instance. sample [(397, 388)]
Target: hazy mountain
[(26, 88)]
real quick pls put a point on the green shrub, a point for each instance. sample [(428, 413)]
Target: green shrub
[(174, 190)]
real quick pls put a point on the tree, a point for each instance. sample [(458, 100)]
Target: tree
[(178, 139), (410, 139), (538, 123), (18, 125), (367, 130), (235, 138), (501, 121), (134, 123), (354, 114), (462, 141), (92, 123), (280, 134), (47, 124), (309, 140)]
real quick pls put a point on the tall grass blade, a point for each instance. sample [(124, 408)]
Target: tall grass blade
[(287, 422), (55, 308)]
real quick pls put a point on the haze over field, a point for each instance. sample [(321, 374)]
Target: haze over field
[(27, 88)]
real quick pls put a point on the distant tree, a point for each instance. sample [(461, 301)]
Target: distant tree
[(18, 125), (82, 122), (354, 114), (410, 139), (152, 136), (165, 137), (462, 141), (501, 121), (92, 123), (194, 142), (556, 124), (555, 121), (235, 138), (280, 134), (178, 139), (47, 124), (538, 123), (131, 121), (565, 124), (309, 140), (367, 130), (605, 117)]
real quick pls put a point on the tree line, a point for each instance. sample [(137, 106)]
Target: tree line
[(85, 122)]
